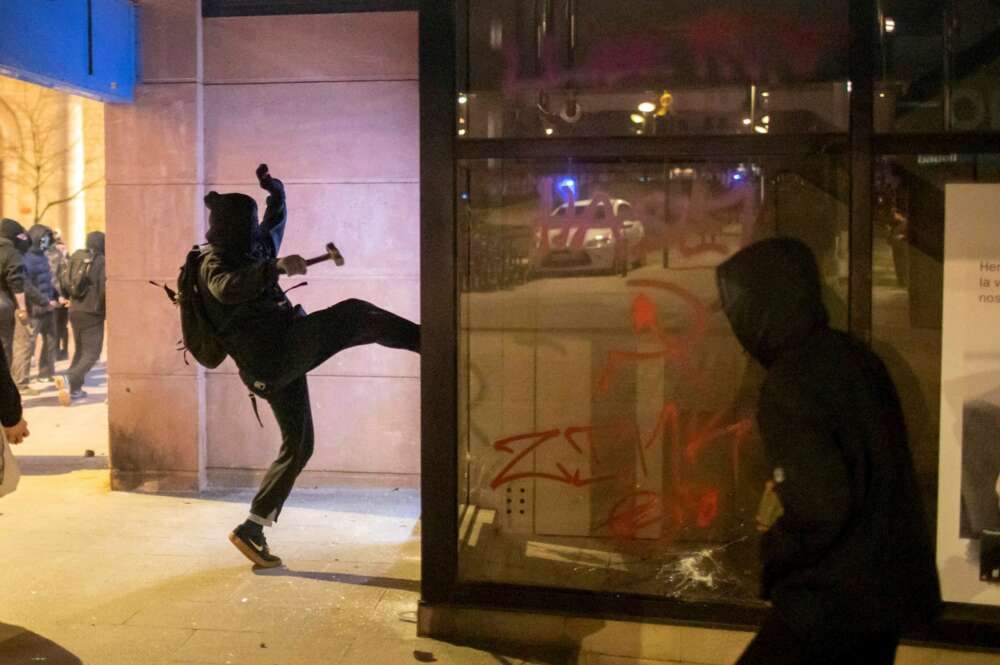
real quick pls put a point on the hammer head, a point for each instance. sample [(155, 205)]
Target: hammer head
[(334, 253)]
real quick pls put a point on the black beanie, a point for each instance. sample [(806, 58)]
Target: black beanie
[(232, 221)]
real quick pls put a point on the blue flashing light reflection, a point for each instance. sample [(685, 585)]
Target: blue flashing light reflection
[(567, 183)]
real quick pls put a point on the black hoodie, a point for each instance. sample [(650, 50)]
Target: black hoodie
[(852, 551), (94, 301), (240, 277), (12, 243)]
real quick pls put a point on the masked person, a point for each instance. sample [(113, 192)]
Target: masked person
[(13, 243), (848, 565), (87, 285), (59, 267), (273, 343), (41, 301)]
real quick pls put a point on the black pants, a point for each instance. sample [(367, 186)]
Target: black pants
[(88, 336), (778, 644), (58, 342), (311, 341)]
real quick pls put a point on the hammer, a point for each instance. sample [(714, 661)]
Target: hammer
[(332, 254)]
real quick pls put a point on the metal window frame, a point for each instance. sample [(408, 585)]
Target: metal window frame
[(960, 625)]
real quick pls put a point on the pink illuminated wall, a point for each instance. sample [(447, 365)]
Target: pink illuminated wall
[(330, 103), (334, 114)]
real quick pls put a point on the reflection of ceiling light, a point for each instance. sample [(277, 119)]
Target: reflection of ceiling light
[(647, 107), (461, 121), (766, 120), (760, 129), (747, 121), (765, 94), (549, 131), (638, 131), (881, 95), (462, 99), (849, 86), (637, 119), (890, 24), (461, 132)]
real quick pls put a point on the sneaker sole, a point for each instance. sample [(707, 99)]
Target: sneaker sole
[(251, 554), (64, 397)]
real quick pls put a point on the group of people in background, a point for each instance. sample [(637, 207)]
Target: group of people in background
[(45, 291)]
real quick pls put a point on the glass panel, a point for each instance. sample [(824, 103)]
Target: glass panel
[(607, 410), (643, 67), (939, 66), (919, 221)]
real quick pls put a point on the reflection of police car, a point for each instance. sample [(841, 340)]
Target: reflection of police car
[(587, 242)]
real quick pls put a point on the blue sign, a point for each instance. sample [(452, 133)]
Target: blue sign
[(85, 47)]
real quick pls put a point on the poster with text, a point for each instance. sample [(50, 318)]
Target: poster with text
[(969, 481)]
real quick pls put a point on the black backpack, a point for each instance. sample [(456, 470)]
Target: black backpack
[(199, 336), (78, 274)]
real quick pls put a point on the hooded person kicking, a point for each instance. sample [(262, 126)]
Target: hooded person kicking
[(274, 343)]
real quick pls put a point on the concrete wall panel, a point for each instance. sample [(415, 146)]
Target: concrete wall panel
[(363, 425), (143, 331), (152, 430), (155, 140), (316, 47), (313, 132), (170, 40), (152, 228)]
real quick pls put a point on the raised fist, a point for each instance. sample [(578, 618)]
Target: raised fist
[(267, 182)]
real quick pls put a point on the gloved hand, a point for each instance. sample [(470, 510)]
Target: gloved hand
[(268, 183), (292, 265)]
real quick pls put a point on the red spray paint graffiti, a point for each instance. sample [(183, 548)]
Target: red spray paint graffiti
[(684, 436)]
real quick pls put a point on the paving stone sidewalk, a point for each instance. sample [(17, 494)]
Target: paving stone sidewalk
[(107, 578)]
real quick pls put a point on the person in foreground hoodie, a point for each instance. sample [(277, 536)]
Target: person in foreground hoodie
[(273, 343), (848, 566)]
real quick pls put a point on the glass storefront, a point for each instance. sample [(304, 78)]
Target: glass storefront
[(603, 159), (608, 437), (938, 66)]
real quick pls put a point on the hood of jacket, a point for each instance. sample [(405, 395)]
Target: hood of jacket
[(771, 294), (95, 242), (232, 222), (38, 233), (13, 231)]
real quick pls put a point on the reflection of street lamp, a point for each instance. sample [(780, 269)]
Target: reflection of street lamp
[(890, 24), (647, 107)]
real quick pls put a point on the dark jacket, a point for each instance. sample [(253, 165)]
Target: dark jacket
[(239, 278), (11, 262), (94, 300), (852, 551), (38, 276), (10, 397)]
